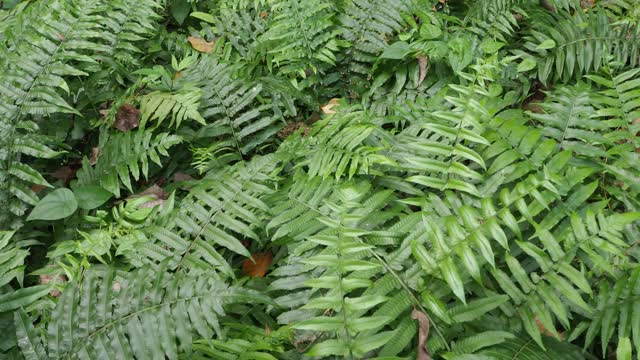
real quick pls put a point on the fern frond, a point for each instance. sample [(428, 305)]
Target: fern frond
[(130, 315), (564, 49), (223, 210), (567, 119), (182, 105), (301, 36), (366, 25), (232, 107), (617, 310), (126, 155)]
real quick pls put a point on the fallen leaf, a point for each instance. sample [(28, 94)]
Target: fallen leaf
[(200, 44), (423, 61), (328, 107), (180, 176), (37, 188), (178, 75), (544, 331), (260, 267), (60, 37), (47, 279), (292, 128), (95, 154), (423, 334), (127, 118), (66, 173), (267, 330), (264, 14)]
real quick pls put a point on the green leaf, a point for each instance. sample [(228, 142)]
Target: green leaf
[(490, 46), (396, 51), (58, 204), (547, 44), (526, 65), (203, 16), (429, 31), (91, 196), (180, 10), (623, 352), (22, 297)]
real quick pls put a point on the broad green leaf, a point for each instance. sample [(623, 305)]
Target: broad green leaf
[(547, 44), (396, 51), (58, 204), (22, 297), (623, 352), (526, 65), (91, 196), (430, 32), (203, 16)]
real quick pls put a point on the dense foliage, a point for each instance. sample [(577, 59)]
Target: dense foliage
[(294, 179)]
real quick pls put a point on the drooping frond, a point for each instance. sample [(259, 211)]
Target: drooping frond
[(301, 36), (131, 315), (182, 105), (567, 119), (221, 212), (562, 48), (231, 107), (366, 24), (126, 155)]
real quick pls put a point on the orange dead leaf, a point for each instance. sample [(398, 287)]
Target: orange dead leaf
[(264, 14), (200, 44), (260, 267), (328, 107)]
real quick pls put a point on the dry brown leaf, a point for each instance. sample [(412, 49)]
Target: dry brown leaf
[(292, 128), (127, 118), (544, 331), (267, 330), (95, 154), (423, 334), (47, 279), (260, 267), (201, 44), (37, 188), (66, 173), (264, 14), (423, 61), (328, 107), (180, 176)]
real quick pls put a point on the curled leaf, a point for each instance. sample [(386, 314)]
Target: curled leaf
[(200, 44), (127, 118), (423, 334), (328, 107), (423, 61)]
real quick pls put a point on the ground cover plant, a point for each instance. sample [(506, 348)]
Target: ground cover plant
[(287, 179)]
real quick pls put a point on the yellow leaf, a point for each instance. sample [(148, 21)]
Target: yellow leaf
[(200, 44), (328, 107)]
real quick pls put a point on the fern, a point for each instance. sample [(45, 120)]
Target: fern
[(125, 155), (223, 210), (557, 45), (365, 24), (301, 37), (108, 313), (231, 107), (182, 105)]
